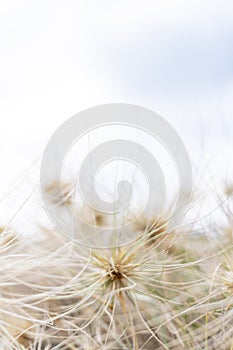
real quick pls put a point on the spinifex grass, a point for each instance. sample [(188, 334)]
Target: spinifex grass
[(164, 290)]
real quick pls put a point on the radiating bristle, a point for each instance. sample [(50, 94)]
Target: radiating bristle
[(164, 290)]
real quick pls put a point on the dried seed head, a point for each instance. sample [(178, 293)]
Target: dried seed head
[(228, 189), (60, 194), (115, 266)]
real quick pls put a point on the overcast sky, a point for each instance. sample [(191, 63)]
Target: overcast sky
[(60, 57)]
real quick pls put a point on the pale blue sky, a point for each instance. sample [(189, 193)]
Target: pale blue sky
[(59, 57), (173, 47)]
